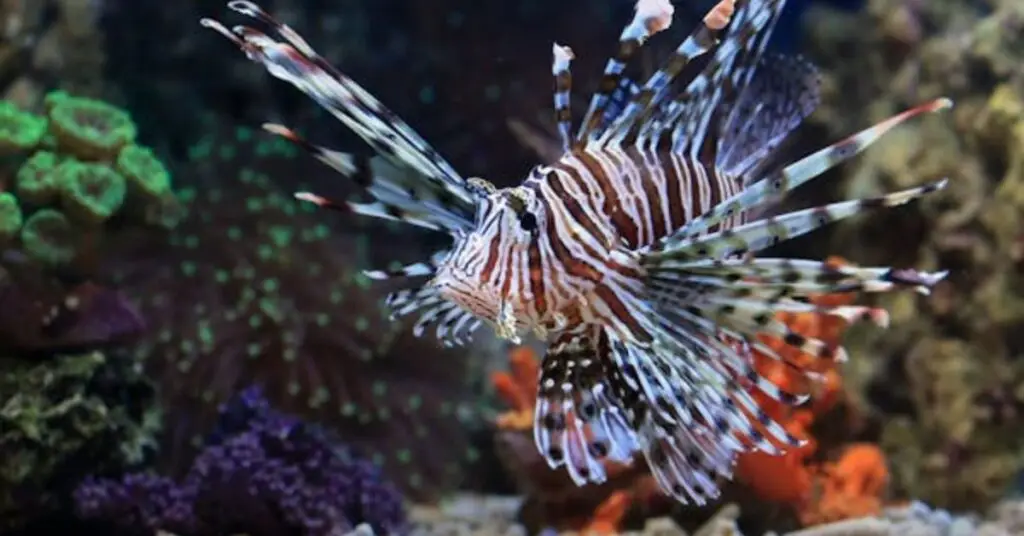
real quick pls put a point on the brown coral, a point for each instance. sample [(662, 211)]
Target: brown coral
[(944, 378)]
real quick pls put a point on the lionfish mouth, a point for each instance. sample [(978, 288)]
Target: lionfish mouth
[(487, 303), (459, 288)]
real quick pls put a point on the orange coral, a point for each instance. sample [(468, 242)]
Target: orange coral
[(819, 493), (608, 516), (589, 510), (518, 388), (850, 487)]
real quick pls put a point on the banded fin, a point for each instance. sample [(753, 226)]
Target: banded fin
[(682, 407), (416, 269), (397, 188), (687, 456), (757, 235), (294, 61), (649, 98), (617, 101), (652, 16), (708, 99), (741, 298), (798, 277), (453, 325), (774, 186), (376, 209), (578, 420), (563, 56)]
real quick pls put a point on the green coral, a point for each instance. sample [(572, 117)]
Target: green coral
[(34, 182), (90, 193), (64, 419), (19, 131), (81, 167), (10, 217), (50, 238), (88, 128), (147, 176)]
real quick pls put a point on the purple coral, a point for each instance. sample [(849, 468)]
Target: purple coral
[(263, 472)]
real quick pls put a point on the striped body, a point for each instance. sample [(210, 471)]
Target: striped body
[(592, 209), (632, 255)]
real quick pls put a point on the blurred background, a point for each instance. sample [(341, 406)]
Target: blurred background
[(184, 348)]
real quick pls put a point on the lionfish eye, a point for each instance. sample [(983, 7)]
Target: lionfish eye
[(528, 221)]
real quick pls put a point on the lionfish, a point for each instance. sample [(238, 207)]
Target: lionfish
[(632, 254)]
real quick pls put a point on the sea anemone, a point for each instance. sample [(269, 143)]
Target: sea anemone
[(252, 287)]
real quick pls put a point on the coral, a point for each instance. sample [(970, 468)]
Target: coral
[(88, 128), (50, 238), (252, 287), (19, 131), (263, 473), (148, 178), (61, 419), (34, 182), (79, 177), (10, 217), (90, 193), (944, 383)]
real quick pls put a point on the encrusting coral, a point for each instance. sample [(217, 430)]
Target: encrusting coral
[(61, 419), (262, 473)]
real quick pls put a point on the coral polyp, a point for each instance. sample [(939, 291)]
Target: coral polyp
[(50, 238), (89, 128), (148, 177), (19, 130), (90, 193)]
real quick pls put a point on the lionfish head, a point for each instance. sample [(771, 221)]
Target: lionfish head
[(487, 264)]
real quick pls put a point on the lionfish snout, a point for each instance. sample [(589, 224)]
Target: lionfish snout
[(483, 297)]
